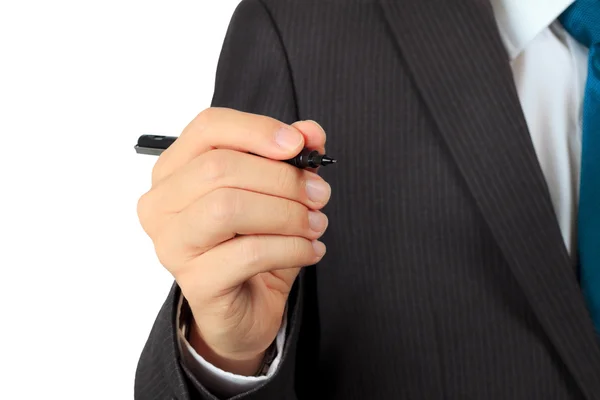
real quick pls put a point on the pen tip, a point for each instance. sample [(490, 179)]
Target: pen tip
[(328, 160)]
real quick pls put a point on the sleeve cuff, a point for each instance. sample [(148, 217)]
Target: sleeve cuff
[(215, 379)]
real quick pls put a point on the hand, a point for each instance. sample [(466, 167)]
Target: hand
[(234, 228)]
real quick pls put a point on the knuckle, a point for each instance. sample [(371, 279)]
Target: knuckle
[(295, 247), (292, 214), (144, 208), (164, 252), (214, 165), (157, 169), (223, 205), (204, 118), (252, 250), (287, 177)]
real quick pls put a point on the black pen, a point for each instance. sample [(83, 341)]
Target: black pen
[(155, 144)]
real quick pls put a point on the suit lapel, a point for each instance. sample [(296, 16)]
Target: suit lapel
[(466, 81)]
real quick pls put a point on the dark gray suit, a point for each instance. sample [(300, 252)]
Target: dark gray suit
[(446, 275)]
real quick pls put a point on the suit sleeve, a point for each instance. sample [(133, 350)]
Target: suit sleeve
[(215, 379), (253, 75)]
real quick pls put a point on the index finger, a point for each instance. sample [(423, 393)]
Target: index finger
[(314, 136), (224, 128)]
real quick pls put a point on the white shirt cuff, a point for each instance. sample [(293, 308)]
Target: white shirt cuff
[(215, 379)]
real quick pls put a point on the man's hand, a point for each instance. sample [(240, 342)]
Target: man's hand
[(234, 228)]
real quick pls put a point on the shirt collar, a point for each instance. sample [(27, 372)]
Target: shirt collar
[(520, 21)]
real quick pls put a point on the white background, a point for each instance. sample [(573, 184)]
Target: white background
[(80, 284)]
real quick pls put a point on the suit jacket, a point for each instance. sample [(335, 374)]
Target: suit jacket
[(446, 276)]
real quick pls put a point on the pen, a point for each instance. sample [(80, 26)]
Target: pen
[(155, 144)]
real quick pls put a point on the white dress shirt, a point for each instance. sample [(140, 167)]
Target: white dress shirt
[(549, 69)]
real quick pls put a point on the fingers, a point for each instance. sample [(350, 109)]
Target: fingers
[(223, 202), (236, 261), (226, 168), (230, 129), (314, 135), (225, 213)]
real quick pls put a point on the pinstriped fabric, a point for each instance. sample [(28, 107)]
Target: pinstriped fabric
[(159, 375), (502, 170), (446, 276)]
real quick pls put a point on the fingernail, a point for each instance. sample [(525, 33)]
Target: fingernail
[(317, 221), (288, 139), (319, 248), (317, 190)]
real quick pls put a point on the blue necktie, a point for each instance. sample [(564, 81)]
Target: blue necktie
[(582, 21)]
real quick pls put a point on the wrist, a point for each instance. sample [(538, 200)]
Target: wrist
[(245, 365)]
